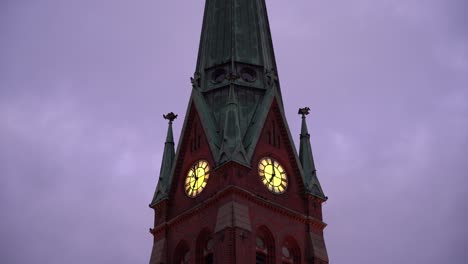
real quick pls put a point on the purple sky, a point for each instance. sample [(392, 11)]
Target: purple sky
[(84, 84)]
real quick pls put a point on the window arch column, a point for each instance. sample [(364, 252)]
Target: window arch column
[(290, 251), (265, 246), (182, 253), (204, 248)]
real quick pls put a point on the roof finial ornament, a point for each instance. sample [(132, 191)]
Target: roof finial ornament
[(170, 116), (304, 111)]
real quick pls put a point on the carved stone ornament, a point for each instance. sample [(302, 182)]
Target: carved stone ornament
[(271, 77), (196, 80), (232, 77)]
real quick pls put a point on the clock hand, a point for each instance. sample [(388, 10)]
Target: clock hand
[(272, 175), (196, 177)]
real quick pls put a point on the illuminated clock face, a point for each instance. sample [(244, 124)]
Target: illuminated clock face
[(197, 177), (273, 175)]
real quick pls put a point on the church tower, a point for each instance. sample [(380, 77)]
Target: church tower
[(236, 190)]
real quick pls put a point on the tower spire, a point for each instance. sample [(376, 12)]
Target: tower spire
[(235, 81), (236, 165), (306, 157), (235, 31), (166, 164)]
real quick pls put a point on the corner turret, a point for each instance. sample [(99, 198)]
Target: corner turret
[(307, 159), (166, 164)]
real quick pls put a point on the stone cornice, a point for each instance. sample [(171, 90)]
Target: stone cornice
[(230, 190)]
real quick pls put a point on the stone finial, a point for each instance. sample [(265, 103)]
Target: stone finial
[(170, 116), (304, 111)]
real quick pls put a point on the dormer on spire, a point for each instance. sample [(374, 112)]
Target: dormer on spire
[(307, 159), (166, 164), (232, 147)]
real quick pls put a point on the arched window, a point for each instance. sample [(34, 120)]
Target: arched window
[(290, 251), (265, 246), (182, 253), (204, 247)]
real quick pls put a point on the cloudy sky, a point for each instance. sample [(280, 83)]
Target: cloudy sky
[(84, 84)]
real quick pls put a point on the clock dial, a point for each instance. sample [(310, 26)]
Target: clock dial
[(273, 175), (197, 177)]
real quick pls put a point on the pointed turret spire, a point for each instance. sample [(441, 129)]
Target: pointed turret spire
[(232, 147), (166, 163), (306, 157)]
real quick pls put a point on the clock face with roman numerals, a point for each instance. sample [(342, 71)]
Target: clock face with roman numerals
[(197, 177), (273, 175)]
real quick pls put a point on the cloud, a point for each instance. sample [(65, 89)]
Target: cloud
[(73, 176)]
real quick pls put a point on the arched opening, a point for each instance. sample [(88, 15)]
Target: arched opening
[(182, 253), (204, 247), (290, 251), (265, 246)]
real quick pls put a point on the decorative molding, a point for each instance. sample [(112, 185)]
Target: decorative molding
[(292, 214)]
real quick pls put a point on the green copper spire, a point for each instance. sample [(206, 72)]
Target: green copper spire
[(235, 80), (235, 31), (307, 159), (166, 164)]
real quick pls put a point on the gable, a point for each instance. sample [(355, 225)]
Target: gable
[(193, 146), (274, 141)]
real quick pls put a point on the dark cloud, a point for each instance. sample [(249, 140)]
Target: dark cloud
[(83, 86)]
